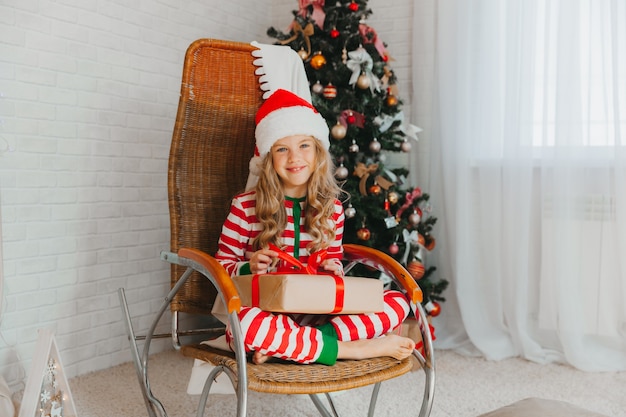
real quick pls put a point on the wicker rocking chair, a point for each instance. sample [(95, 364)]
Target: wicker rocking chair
[(212, 143)]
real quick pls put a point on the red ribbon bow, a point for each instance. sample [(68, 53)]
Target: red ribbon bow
[(318, 11), (315, 260), (369, 35)]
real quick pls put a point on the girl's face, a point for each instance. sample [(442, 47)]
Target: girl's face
[(293, 158)]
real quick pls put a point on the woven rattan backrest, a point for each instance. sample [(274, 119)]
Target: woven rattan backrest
[(211, 147)]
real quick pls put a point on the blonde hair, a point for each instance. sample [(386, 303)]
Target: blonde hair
[(319, 207)]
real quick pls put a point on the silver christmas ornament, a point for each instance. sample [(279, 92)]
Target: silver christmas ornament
[(375, 145), (350, 212)]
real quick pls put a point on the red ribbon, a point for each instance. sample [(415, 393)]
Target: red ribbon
[(315, 260), (420, 345), (340, 291), (255, 291), (369, 35), (359, 118)]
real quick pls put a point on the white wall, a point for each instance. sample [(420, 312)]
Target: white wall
[(89, 95)]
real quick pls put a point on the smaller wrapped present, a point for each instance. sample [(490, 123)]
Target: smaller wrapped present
[(410, 328), (311, 294)]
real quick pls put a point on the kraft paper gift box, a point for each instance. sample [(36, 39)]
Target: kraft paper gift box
[(312, 294), (410, 328)]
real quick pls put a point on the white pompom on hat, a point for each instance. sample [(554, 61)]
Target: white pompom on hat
[(284, 114)]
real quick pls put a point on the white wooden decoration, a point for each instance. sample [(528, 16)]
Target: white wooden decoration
[(47, 393)]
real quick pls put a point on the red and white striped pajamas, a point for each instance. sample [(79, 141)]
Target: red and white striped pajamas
[(301, 338), (297, 337)]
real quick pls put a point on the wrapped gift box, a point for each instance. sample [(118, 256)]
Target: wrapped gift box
[(411, 329), (312, 294)]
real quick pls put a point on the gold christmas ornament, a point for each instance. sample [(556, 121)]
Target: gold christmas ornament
[(363, 82), (338, 131), (392, 100), (392, 197), (303, 54), (318, 61), (363, 233)]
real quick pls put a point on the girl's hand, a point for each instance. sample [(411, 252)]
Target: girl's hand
[(261, 261), (334, 266)]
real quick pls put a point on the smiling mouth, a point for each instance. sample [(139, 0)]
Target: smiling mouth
[(295, 169)]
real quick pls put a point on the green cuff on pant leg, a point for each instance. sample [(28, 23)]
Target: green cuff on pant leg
[(328, 329), (330, 349)]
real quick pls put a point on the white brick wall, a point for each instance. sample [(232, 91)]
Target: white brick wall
[(89, 95)]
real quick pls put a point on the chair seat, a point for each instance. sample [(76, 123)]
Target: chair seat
[(293, 378)]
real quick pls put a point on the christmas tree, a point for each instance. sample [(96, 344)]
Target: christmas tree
[(354, 88)]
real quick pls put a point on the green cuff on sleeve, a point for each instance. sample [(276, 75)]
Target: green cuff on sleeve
[(245, 269)]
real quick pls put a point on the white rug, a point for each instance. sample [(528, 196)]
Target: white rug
[(466, 387)]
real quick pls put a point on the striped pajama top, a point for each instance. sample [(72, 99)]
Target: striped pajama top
[(242, 227)]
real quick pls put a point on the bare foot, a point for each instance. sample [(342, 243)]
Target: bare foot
[(393, 345), (259, 358)]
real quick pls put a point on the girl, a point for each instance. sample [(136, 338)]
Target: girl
[(292, 203)]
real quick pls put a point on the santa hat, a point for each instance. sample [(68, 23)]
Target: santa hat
[(284, 114)]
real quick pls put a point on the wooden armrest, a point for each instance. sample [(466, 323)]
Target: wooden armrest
[(383, 262), (222, 279)]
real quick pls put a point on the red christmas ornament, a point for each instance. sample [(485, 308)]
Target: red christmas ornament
[(394, 248), (416, 269), (353, 7), (429, 242), (375, 189), (334, 33), (363, 233), (385, 58), (436, 309)]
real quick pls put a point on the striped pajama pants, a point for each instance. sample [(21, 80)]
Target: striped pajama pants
[(295, 337)]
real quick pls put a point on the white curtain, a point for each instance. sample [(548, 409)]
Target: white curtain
[(528, 178)]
